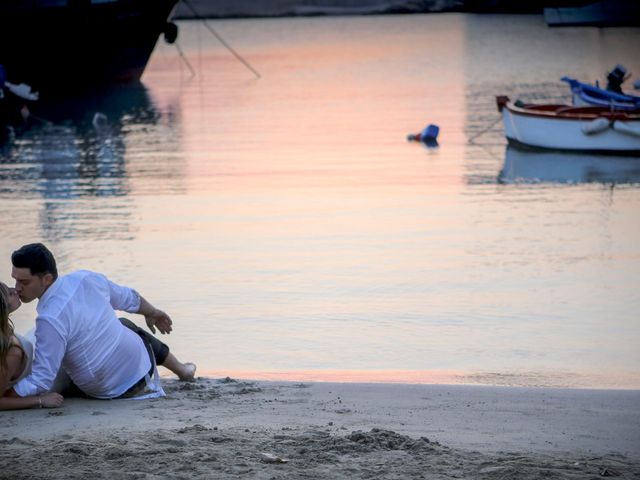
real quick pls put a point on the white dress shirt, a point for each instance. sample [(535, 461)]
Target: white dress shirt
[(77, 329)]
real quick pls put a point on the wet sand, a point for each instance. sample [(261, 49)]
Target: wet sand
[(227, 428)]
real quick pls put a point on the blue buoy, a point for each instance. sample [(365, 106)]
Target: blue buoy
[(428, 135), (430, 132)]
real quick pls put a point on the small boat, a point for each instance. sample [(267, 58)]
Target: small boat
[(585, 94), (61, 46), (567, 127), (612, 96)]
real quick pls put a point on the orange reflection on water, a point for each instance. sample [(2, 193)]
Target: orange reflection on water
[(321, 115)]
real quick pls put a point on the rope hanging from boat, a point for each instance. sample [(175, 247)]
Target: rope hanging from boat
[(484, 130), (220, 39), (171, 37), (184, 59)]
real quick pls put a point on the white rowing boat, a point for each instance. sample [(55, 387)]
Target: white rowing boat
[(565, 127)]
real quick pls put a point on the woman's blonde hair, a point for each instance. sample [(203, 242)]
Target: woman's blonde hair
[(6, 326)]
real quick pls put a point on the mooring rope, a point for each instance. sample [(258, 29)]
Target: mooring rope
[(220, 39), (484, 130)]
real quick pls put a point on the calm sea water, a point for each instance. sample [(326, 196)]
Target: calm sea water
[(291, 231)]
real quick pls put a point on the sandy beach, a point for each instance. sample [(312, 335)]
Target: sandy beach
[(230, 428)]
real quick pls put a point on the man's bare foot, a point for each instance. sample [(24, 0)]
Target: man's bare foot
[(187, 373)]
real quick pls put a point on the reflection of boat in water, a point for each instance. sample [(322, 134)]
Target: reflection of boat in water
[(82, 167), (60, 45), (80, 149), (125, 103), (529, 166)]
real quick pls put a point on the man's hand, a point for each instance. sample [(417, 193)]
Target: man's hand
[(154, 317), (157, 318)]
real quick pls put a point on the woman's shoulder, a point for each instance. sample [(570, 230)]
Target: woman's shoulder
[(15, 360), (16, 348)]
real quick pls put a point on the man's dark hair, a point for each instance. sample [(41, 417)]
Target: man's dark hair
[(37, 258)]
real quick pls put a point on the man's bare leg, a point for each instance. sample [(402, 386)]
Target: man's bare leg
[(184, 371)]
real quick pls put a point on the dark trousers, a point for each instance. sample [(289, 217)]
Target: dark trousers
[(159, 349)]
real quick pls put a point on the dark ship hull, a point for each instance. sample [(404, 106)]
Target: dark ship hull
[(59, 46)]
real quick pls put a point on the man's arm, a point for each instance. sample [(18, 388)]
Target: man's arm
[(50, 348), (128, 300), (154, 317)]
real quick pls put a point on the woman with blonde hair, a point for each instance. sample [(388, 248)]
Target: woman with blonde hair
[(16, 356)]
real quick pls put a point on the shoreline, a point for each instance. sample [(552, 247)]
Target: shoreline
[(624, 381), (224, 427)]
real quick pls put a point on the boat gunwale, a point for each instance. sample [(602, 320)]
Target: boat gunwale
[(565, 112)]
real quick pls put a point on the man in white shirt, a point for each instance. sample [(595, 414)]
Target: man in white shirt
[(77, 329)]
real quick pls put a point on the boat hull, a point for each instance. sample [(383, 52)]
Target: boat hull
[(57, 46), (548, 130)]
